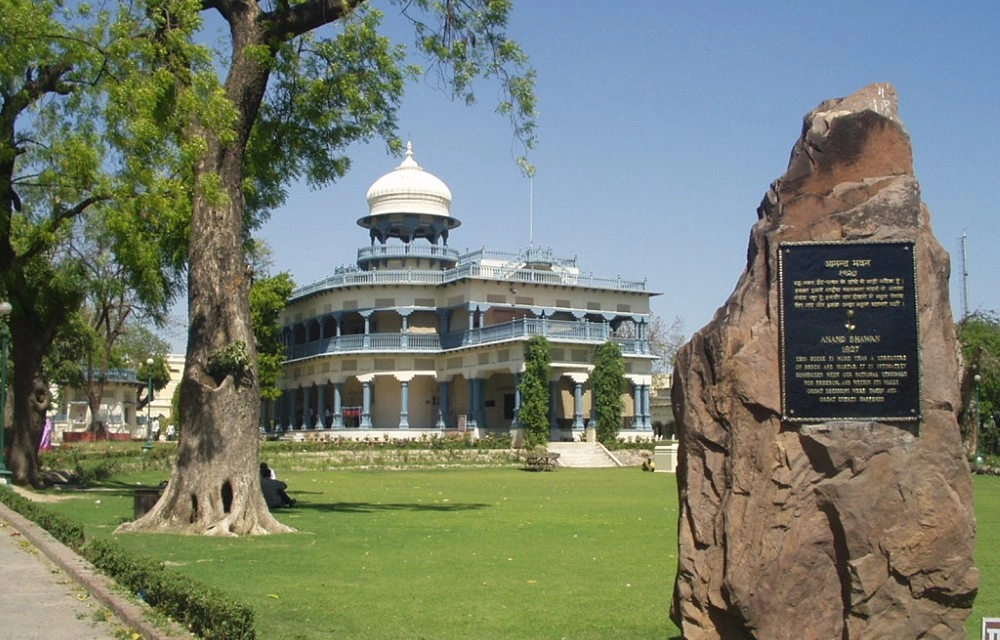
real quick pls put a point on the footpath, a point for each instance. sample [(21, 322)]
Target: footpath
[(50, 593)]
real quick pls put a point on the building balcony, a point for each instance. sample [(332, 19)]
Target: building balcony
[(557, 331), (379, 252)]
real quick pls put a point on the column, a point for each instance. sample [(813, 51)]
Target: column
[(321, 405), (577, 405), (404, 339), (301, 400), (516, 423), (637, 420), (404, 404), (338, 411), (553, 397), (310, 412), (473, 403), (367, 339), (282, 417), (444, 403), (647, 416), (366, 408), (481, 405)]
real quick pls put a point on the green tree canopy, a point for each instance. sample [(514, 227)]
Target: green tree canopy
[(979, 335), (534, 413), (607, 383), (64, 169)]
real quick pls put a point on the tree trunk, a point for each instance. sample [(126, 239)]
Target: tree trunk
[(31, 396), (215, 485)]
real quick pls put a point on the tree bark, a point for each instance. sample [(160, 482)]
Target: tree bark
[(30, 391)]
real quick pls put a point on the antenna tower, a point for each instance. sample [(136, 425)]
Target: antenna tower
[(965, 280), (531, 212)]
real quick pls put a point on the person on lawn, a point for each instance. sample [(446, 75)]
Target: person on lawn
[(274, 490)]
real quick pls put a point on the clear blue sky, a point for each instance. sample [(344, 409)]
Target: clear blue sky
[(662, 125)]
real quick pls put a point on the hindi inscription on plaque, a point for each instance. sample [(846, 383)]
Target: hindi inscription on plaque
[(849, 336)]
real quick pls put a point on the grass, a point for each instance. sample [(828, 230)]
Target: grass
[(987, 491), (463, 553)]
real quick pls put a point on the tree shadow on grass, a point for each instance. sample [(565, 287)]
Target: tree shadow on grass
[(370, 507)]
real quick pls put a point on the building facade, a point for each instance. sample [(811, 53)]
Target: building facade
[(418, 338)]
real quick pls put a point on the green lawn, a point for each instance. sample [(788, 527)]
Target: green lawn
[(464, 553), (987, 490)]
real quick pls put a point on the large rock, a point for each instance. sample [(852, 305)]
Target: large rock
[(840, 529)]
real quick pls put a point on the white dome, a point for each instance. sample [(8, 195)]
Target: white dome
[(409, 189)]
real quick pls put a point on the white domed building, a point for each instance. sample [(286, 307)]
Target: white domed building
[(419, 338)]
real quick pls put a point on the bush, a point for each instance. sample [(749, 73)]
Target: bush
[(206, 612)]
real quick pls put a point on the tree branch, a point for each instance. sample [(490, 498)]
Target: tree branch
[(289, 21), (40, 242)]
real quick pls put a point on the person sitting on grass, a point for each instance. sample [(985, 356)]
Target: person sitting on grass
[(273, 489)]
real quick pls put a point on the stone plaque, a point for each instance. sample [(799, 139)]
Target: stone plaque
[(849, 337)]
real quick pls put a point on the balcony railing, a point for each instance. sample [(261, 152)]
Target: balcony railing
[(430, 251), (590, 333), (421, 276)]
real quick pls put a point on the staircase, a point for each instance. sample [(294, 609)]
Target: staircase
[(586, 455)]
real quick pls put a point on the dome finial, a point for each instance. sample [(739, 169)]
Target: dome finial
[(409, 149)]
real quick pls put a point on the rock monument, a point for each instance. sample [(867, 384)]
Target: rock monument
[(823, 487)]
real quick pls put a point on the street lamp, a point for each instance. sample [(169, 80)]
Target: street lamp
[(979, 456), (149, 405), (5, 310)]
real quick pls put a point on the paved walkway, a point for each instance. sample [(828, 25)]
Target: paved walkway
[(47, 592)]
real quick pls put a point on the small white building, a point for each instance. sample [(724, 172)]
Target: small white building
[(118, 413)]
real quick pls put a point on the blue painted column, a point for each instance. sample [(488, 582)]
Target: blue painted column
[(647, 414), (404, 404), (289, 410), (282, 411), (321, 406), (367, 339), (444, 403), (516, 423), (338, 411), (481, 405), (637, 419), (473, 403), (577, 405), (299, 407), (404, 339), (366, 408), (310, 402), (553, 397)]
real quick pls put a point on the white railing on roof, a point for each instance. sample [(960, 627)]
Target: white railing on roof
[(349, 278), (590, 333), (410, 250)]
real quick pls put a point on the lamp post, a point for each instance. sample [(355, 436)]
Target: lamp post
[(975, 415), (5, 310), (149, 405)]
